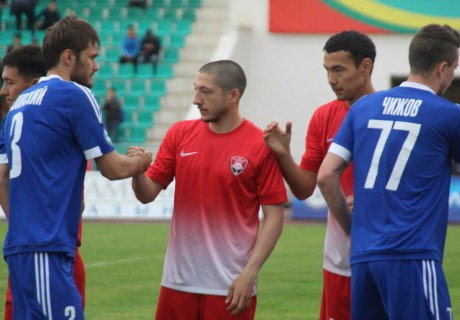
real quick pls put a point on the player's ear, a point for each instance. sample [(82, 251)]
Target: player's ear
[(235, 95), (441, 68), (367, 65), (35, 80), (68, 57)]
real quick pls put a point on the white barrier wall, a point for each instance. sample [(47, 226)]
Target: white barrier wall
[(105, 199)]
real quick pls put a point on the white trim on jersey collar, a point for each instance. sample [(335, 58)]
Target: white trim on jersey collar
[(416, 85), (51, 76)]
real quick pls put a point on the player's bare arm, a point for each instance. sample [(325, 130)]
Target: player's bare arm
[(4, 187), (240, 291), (301, 182), (329, 183), (145, 189), (114, 166)]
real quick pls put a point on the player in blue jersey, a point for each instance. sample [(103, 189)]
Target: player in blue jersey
[(402, 142), (50, 132)]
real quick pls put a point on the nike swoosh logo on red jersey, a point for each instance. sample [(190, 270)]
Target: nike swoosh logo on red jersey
[(186, 154)]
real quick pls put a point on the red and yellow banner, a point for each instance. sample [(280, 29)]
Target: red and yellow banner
[(370, 16)]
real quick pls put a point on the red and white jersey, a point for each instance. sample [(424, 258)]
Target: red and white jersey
[(323, 126), (221, 181)]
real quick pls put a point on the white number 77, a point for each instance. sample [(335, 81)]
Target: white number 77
[(403, 157)]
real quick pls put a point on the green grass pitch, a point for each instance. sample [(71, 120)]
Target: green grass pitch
[(124, 263)]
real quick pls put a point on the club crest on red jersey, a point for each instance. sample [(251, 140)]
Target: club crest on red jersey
[(238, 164)]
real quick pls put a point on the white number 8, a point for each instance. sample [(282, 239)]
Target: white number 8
[(15, 133)]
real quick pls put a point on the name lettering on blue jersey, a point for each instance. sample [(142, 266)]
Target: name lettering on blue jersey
[(401, 106), (30, 98)]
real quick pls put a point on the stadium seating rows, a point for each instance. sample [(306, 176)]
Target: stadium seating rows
[(140, 90)]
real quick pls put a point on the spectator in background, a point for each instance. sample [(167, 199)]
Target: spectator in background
[(138, 3), (48, 16), (150, 50), (113, 114), (18, 7), (130, 47), (16, 43)]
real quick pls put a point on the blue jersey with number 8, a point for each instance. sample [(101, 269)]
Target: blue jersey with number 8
[(49, 133)]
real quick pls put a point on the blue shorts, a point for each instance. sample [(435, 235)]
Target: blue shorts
[(400, 289), (43, 286)]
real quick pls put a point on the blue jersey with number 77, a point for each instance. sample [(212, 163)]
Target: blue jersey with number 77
[(49, 133), (402, 142)]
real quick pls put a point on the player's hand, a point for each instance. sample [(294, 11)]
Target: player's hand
[(240, 293), (134, 151), (276, 139), (146, 158)]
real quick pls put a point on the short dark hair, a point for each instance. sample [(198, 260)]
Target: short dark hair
[(27, 60), (228, 75), (432, 44), (69, 33), (358, 44)]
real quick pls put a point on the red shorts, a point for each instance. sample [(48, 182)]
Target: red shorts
[(80, 281), (179, 305), (336, 300)]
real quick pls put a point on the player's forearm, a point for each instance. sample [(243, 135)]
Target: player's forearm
[(114, 166), (301, 182), (145, 189), (329, 183), (268, 237)]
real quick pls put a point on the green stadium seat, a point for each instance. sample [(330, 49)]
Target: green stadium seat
[(112, 54), (108, 26), (116, 39), (177, 3), (164, 26), (143, 25), (138, 86), (137, 134), (145, 70), (159, 3), (134, 13), (183, 27), (99, 86), (125, 70), (189, 14), (128, 118), (152, 101), (152, 13), (165, 70), (116, 13), (171, 54), (106, 3), (177, 40), (132, 101), (194, 3), (170, 13), (157, 86), (105, 71), (97, 13), (145, 118)]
